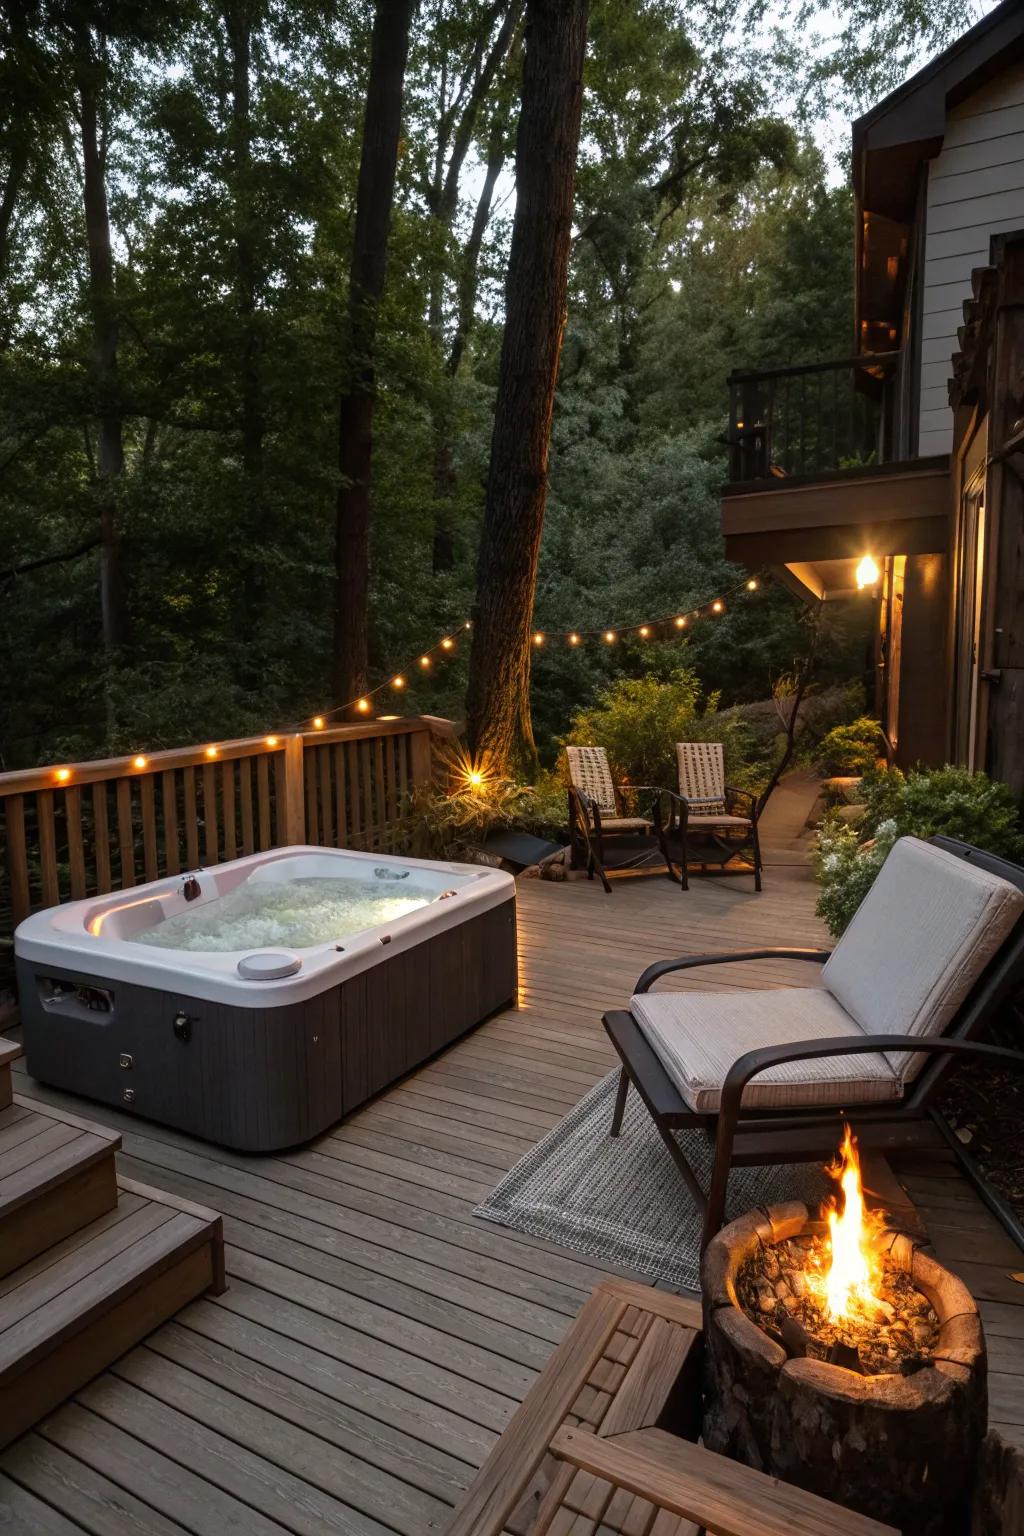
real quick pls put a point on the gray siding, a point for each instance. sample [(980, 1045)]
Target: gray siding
[(975, 190)]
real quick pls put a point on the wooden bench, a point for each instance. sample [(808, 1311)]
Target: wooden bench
[(604, 1444)]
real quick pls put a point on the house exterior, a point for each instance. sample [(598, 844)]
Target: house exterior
[(900, 462)]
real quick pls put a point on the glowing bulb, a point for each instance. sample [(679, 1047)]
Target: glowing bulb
[(867, 573), (717, 605), (424, 661), (446, 644), (318, 723), (752, 585), (62, 775), (538, 638), (680, 623), (475, 777), (398, 682), (609, 635), (467, 625), (363, 705), (273, 740), (212, 751), (574, 639), (644, 631), (140, 761)]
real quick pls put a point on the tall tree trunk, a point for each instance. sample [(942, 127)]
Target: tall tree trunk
[(238, 25), (469, 277), (110, 445), (381, 127), (11, 186), (498, 700)]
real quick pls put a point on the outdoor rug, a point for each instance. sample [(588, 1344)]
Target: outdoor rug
[(622, 1199)]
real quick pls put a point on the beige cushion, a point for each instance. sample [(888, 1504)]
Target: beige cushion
[(625, 823), (919, 941), (717, 821), (698, 1036)]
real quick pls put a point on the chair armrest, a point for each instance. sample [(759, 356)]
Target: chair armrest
[(688, 962), (731, 794)]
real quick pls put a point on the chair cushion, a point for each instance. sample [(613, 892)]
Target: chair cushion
[(919, 941), (698, 1035), (702, 820), (625, 824)]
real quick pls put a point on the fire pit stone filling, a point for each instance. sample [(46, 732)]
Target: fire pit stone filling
[(845, 1359)]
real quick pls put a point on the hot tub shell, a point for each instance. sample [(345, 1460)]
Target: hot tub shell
[(179, 1038)]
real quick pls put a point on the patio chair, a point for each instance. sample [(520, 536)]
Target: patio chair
[(603, 835), (934, 951), (708, 819)]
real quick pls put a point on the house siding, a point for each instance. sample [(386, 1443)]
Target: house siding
[(975, 190)]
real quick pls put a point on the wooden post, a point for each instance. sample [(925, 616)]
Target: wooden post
[(422, 758), (293, 789)]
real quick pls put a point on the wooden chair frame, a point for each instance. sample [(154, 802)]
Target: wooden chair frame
[(729, 843), (749, 1137), (600, 848)]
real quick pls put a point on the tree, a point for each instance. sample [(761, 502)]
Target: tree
[(498, 699), (381, 128)]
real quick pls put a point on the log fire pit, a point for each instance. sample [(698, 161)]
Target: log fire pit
[(843, 1358)]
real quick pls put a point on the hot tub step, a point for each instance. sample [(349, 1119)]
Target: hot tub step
[(57, 1174), (9, 1052), (73, 1310)]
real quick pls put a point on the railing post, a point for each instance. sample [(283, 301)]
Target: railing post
[(422, 758), (294, 790)]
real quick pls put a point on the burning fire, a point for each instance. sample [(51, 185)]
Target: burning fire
[(854, 1271)]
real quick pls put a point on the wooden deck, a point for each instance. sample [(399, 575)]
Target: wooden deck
[(375, 1337)]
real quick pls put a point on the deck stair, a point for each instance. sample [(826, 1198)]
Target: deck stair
[(89, 1262)]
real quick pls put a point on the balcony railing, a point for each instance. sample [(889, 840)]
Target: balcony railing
[(813, 418)]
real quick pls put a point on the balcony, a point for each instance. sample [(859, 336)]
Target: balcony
[(813, 419)]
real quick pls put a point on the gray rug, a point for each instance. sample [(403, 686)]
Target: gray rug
[(622, 1199)]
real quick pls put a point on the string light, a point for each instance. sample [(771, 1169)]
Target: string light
[(574, 639), (62, 775), (140, 761), (318, 722), (447, 643), (273, 740), (468, 624), (717, 606), (424, 661), (643, 631), (362, 705), (752, 584), (680, 622), (398, 682), (538, 638), (212, 751), (609, 635)]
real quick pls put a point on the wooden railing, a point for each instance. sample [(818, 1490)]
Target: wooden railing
[(82, 829)]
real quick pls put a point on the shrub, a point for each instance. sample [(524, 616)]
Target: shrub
[(850, 749), (921, 803), (639, 720), (453, 816)]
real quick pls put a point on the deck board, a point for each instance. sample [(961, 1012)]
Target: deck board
[(376, 1337)]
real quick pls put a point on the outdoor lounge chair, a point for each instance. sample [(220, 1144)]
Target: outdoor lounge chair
[(708, 819), (603, 835), (934, 951)]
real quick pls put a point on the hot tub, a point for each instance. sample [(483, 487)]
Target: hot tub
[(256, 1003)]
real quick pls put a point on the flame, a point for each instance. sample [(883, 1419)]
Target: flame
[(854, 1270)]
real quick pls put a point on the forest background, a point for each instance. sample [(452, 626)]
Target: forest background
[(170, 377)]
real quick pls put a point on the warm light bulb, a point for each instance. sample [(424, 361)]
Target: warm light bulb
[(140, 761), (211, 751), (609, 635), (424, 661), (574, 639), (398, 682), (62, 775), (273, 740), (717, 606), (867, 572), (318, 723), (475, 777), (447, 644), (752, 584), (363, 705), (644, 631), (680, 623), (467, 625), (538, 638)]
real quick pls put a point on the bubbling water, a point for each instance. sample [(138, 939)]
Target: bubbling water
[(296, 914)]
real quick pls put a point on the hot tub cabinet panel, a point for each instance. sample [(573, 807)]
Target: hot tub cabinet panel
[(260, 1079)]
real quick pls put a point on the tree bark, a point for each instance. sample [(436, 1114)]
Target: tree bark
[(13, 178), (238, 26), (498, 700), (110, 446), (375, 196)]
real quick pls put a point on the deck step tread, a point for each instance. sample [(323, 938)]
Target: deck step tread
[(94, 1272), (40, 1149), (10, 1050)]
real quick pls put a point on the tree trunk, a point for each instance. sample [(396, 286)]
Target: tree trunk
[(381, 127), (110, 447), (238, 25), (12, 181), (498, 699)]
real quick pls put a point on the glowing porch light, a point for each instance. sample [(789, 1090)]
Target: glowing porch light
[(272, 741), (62, 775), (212, 751), (139, 761), (867, 572)]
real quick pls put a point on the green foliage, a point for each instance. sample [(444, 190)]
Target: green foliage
[(921, 803), (850, 749), (453, 816), (639, 720)]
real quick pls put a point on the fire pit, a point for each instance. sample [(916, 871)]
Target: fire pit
[(845, 1359)]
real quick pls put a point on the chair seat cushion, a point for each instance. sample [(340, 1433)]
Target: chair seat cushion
[(698, 1035), (625, 824), (919, 941), (702, 820)]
